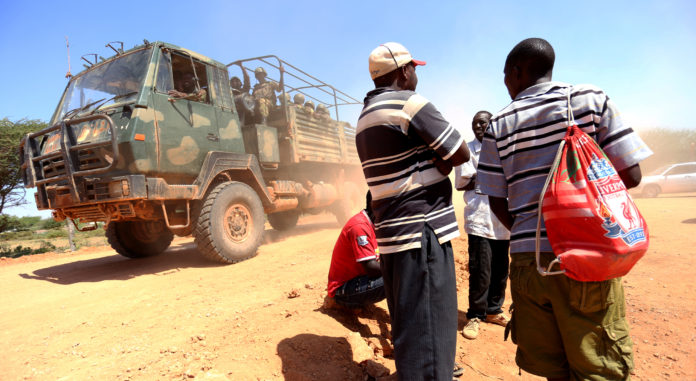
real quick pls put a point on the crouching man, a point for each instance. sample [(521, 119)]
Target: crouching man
[(355, 279)]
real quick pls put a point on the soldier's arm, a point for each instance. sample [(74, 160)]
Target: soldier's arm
[(176, 94), (247, 83), (198, 96)]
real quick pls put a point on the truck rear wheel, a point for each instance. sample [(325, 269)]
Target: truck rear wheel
[(230, 225), (138, 239), (284, 220)]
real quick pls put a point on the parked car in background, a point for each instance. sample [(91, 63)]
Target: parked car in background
[(673, 178)]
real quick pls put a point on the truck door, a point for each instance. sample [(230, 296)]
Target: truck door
[(187, 125), (229, 127)]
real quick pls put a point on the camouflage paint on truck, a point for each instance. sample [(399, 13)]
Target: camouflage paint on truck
[(153, 143)]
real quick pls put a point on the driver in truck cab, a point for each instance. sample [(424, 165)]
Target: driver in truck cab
[(186, 89)]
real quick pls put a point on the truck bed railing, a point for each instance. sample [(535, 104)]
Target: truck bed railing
[(64, 164), (307, 81)]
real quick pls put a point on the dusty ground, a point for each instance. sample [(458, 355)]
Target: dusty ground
[(96, 315)]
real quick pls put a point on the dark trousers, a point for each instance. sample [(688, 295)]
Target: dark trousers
[(488, 275), (422, 297), (360, 291)]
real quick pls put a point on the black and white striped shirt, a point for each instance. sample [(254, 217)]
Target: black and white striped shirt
[(399, 134), (520, 145)]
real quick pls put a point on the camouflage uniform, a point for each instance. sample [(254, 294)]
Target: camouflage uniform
[(285, 96), (298, 102), (322, 113), (264, 93), (309, 108), (237, 86)]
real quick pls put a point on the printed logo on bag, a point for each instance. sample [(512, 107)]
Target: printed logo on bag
[(362, 240), (621, 218)]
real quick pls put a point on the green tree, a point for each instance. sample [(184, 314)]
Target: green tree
[(9, 223), (30, 222), (50, 223), (11, 133)]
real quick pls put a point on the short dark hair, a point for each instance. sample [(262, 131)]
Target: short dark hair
[(386, 79), (536, 54), (483, 112)]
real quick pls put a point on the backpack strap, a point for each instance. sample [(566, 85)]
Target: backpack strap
[(556, 162)]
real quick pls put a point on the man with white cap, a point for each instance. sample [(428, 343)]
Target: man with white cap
[(407, 149)]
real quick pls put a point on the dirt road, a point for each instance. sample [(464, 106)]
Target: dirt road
[(96, 315)]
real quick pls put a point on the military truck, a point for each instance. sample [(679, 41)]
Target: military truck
[(129, 147)]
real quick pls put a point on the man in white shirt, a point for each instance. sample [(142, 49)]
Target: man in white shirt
[(489, 242)]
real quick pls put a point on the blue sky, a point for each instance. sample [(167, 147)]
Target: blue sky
[(642, 53)]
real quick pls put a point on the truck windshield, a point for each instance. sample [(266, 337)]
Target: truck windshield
[(116, 81)]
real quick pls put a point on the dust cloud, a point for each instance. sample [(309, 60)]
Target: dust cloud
[(669, 146)]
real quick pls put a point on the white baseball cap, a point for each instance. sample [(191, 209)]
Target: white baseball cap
[(389, 57)]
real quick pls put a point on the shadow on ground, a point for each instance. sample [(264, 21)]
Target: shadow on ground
[(116, 267), (351, 320), (309, 357), (175, 258)]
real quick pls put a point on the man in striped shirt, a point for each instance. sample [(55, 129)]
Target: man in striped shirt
[(564, 329), (407, 149)]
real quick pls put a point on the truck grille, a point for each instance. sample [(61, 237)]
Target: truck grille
[(86, 159), (53, 167)]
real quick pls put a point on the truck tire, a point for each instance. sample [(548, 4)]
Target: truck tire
[(230, 225), (138, 239), (284, 220)]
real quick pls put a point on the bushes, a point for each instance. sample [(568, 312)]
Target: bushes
[(23, 235), (58, 233), (20, 250), (50, 223)]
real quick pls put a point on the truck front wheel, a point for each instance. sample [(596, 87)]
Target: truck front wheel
[(230, 225), (138, 239)]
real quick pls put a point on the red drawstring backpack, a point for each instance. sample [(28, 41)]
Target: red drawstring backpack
[(595, 229)]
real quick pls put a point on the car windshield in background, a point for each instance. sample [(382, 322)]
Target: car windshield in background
[(116, 81)]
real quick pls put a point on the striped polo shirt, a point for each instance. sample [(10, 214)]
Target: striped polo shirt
[(399, 134), (521, 143)]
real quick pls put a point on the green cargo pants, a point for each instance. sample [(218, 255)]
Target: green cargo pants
[(566, 328)]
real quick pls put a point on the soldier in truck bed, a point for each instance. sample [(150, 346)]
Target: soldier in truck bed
[(264, 93), (322, 113), (237, 86)]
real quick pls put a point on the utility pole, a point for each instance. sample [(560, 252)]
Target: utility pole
[(71, 233)]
